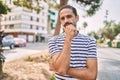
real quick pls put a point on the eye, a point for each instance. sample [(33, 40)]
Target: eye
[(62, 18), (69, 16)]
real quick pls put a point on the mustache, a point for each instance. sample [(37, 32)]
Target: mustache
[(67, 23)]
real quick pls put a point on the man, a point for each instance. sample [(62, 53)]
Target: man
[(73, 55)]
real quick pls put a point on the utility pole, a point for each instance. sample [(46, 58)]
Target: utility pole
[(106, 15)]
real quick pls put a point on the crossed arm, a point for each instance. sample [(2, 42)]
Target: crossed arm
[(60, 63)]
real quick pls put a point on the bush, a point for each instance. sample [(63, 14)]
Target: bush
[(118, 44), (109, 44)]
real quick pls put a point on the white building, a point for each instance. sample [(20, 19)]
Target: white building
[(22, 22)]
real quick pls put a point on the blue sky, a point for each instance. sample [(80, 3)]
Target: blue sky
[(96, 22)]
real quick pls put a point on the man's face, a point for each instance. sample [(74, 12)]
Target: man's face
[(67, 17)]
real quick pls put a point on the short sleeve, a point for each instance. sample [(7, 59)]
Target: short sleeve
[(53, 48), (92, 53)]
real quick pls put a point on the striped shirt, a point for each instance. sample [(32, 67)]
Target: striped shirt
[(82, 47)]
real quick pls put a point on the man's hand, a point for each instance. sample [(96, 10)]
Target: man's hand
[(70, 31)]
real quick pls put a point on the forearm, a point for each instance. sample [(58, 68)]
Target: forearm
[(82, 74), (62, 62)]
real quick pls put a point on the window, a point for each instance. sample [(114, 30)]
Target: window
[(37, 19), (11, 26), (13, 17), (25, 17), (26, 26), (9, 18), (31, 18), (43, 28), (37, 28), (31, 26), (6, 26)]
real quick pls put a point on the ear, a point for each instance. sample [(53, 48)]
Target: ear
[(77, 18)]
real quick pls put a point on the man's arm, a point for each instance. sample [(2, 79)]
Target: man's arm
[(90, 73), (60, 62)]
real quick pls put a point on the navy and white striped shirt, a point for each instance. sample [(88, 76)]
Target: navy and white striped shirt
[(82, 47)]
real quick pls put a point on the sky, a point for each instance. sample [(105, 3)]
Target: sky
[(96, 21)]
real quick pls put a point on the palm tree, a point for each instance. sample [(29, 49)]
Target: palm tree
[(108, 31)]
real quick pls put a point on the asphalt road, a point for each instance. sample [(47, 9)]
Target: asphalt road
[(18, 52), (108, 63)]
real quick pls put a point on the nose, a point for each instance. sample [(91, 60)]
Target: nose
[(66, 20)]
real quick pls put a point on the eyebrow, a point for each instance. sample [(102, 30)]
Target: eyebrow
[(67, 16)]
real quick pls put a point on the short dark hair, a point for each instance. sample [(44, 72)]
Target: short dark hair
[(69, 7)]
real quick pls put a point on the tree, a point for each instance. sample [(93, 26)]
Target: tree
[(93, 34), (57, 28), (116, 29), (30, 4), (110, 30), (3, 10), (90, 7)]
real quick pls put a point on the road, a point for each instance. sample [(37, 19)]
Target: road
[(108, 59), (108, 63), (18, 52)]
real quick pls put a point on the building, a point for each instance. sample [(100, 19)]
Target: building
[(52, 19), (24, 23)]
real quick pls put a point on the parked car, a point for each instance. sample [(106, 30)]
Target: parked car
[(19, 42), (8, 41)]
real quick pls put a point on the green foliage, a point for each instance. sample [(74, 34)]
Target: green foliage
[(3, 8), (110, 30), (95, 35), (118, 44), (107, 30), (101, 40), (90, 6), (47, 58), (116, 29), (52, 77), (32, 5), (29, 58), (38, 58)]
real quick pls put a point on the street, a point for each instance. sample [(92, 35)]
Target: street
[(108, 63), (108, 59), (18, 52)]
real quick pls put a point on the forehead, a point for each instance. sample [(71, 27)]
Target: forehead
[(65, 12)]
